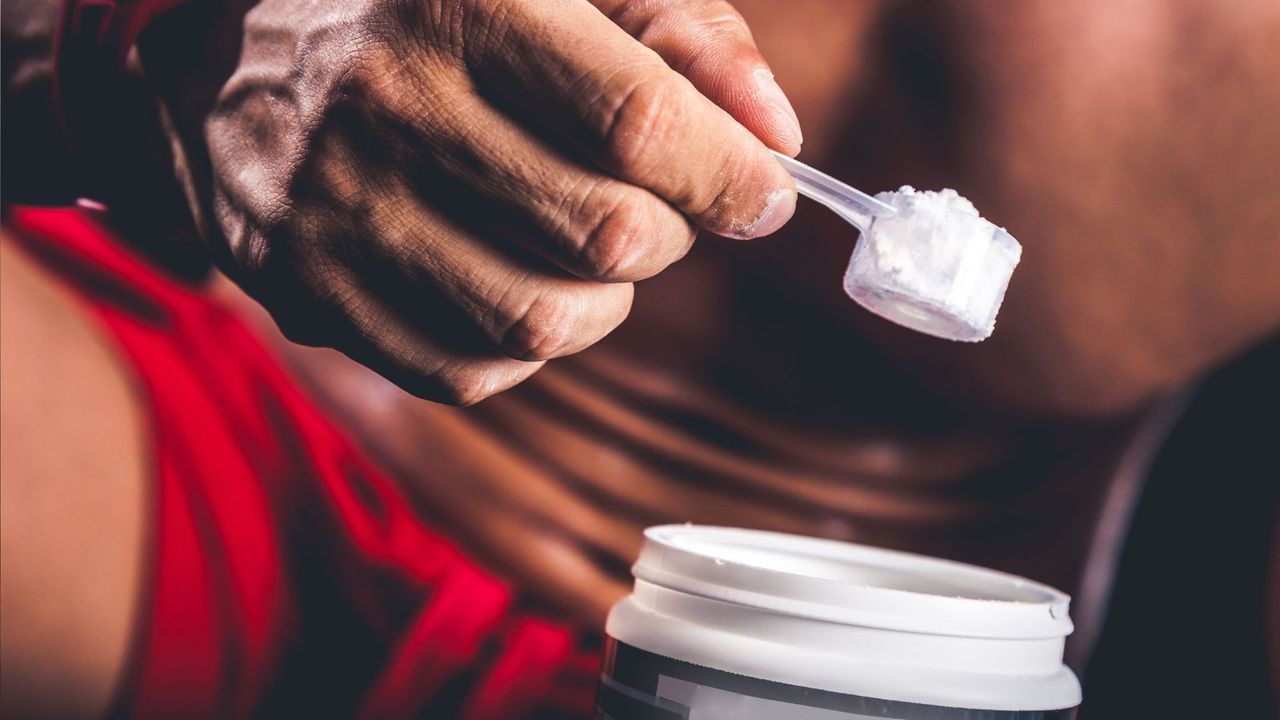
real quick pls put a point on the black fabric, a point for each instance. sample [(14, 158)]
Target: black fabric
[(1186, 635)]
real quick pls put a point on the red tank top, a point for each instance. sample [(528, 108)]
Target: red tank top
[(287, 575)]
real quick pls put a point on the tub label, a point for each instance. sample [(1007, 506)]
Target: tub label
[(708, 703)]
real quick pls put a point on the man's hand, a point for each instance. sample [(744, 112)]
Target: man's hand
[(454, 191)]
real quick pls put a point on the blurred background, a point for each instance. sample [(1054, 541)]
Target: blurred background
[(1115, 438)]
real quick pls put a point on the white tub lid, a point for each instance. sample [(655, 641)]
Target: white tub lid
[(850, 584)]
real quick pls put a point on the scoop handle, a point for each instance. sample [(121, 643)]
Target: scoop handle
[(850, 203)]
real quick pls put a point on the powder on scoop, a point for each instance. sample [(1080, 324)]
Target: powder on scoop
[(936, 266)]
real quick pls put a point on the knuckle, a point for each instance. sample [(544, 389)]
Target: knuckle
[(261, 238), (615, 249), (721, 202), (254, 251), (637, 18), (544, 328), (642, 119), (388, 87), (710, 37), (720, 16), (686, 32), (379, 82)]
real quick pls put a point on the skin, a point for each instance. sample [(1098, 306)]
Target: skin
[(454, 193), (1088, 337), (71, 550), (1111, 141), (1101, 137), (1105, 141)]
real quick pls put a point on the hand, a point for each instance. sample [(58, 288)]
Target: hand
[(454, 192)]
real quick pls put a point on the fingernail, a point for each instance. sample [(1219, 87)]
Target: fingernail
[(782, 205), (789, 123)]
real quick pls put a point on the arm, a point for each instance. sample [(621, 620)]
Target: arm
[(455, 193), (73, 497)]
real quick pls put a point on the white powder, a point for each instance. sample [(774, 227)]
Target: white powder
[(936, 266), (930, 203)]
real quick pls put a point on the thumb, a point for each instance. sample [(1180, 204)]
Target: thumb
[(709, 43)]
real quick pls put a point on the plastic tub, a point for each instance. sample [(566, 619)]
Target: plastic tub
[(749, 625)]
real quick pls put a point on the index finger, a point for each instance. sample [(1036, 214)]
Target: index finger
[(634, 116), (709, 42)]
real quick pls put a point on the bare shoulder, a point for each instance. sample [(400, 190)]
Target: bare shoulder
[(73, 499)]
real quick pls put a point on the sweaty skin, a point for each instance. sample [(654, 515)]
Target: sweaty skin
[(454, 193), (744, 388), (1132, 149)]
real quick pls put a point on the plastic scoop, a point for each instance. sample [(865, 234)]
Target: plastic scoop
[(926, 260), (850, 203)]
